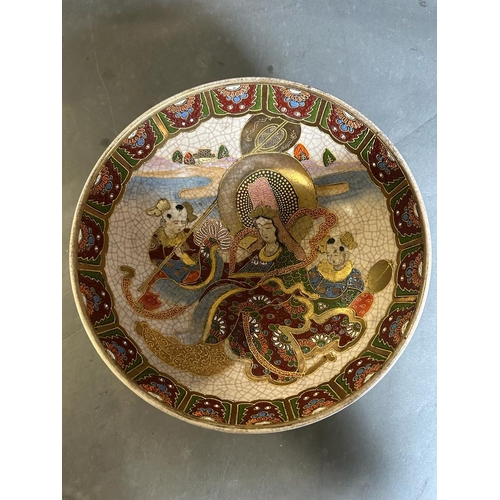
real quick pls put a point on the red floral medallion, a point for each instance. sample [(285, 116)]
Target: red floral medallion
[(161, 388), (382, 164), (262, 413), (140, 143), (394, 326), (90, 239), (294, 103), (314, 401), (121, 350), (359, 371), (208, 409), (107, 185), (406, 216), (97, 299), (236, 99), (185, 113), (344, 126), (410, 271)]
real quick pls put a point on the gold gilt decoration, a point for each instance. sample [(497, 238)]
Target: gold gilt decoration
[(347, 240), (326, 269), (199, 359), (379, 276), (232, 186)]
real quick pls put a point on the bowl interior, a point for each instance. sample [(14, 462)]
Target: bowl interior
[(250, 255)]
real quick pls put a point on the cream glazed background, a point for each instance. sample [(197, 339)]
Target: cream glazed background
[(364, 213)]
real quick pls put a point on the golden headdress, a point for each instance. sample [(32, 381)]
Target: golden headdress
[(347, 239), (163, 205)]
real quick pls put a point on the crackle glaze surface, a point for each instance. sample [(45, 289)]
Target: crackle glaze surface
[(250, 256)]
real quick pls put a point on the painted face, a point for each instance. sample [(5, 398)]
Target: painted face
[(266, 229), (175, 220), (336, 253)]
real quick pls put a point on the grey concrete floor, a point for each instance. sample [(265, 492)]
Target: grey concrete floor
[(121, 57)]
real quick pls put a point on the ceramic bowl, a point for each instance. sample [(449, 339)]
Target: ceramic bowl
[(251, 255)]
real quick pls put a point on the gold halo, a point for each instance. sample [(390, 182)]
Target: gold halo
[(283, 163)]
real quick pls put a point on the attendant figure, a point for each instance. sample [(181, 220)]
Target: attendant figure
[(187, 258), (335, 275), (336, 279)]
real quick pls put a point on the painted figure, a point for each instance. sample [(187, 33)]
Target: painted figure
[(335, 277), (275, 248), (268, 317), (339, 283), (256, 302), (185, 261)]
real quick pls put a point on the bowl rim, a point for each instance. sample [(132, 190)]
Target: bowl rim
[(300, 422)]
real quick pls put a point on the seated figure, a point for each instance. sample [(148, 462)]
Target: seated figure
[(336, 280)]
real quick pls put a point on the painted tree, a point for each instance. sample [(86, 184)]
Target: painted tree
[(223, 152), (177, 157), (328, 158), (188, 159)]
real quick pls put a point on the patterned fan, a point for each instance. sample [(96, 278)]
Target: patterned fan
[(216, 230)]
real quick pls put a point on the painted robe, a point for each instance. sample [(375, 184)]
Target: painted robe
[(271, 318)]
